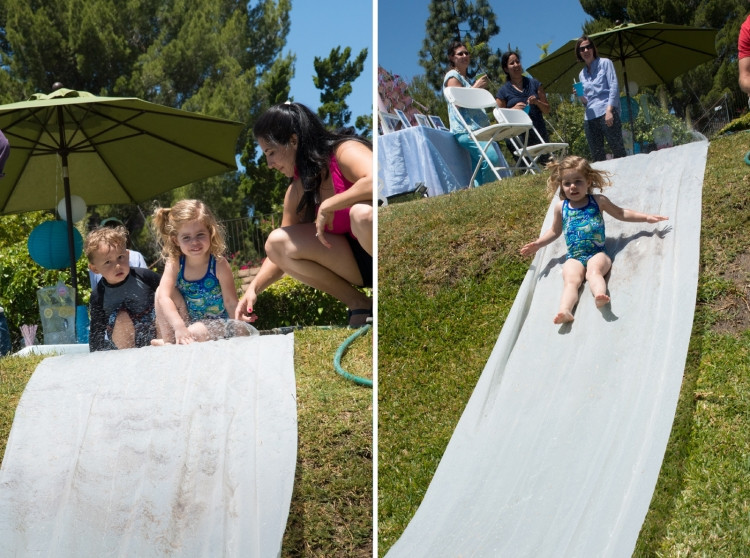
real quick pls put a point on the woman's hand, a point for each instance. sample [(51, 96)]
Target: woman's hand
[(482, 82), (323, 220), (244, 310), (609, 117)]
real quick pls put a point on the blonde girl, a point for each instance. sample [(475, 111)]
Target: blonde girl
[(195, 270), (579, 216)]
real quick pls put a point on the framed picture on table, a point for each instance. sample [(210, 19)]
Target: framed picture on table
[(422, 120), (437, 122), (389, 122), (404, 119)]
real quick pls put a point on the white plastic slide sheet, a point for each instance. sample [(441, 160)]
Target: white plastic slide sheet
[(559, 448), (183, 451)]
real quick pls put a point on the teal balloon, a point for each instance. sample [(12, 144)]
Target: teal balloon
[(48, 245)]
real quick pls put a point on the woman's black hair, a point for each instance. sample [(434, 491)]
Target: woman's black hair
[(315, 143), (505, 59)]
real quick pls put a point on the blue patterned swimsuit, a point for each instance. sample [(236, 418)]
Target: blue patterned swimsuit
[(202, 297), (584, 230)]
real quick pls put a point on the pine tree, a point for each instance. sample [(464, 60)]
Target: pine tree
[(334, 77), (449, 20)]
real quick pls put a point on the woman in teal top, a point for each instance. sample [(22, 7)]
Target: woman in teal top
[(460, 59)]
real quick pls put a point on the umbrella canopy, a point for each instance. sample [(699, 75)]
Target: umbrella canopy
[(107, 150), (647, 53)]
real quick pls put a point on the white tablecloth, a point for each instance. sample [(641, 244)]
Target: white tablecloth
[(419, 154)]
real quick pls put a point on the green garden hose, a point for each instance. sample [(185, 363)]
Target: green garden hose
[(340, 352), (747, 157)]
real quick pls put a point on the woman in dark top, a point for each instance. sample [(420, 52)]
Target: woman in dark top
[(523, 93)]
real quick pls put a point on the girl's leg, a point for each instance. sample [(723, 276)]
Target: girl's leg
[(201, 332), (360, 216), (598, 266), (573, 274), (331, 270)]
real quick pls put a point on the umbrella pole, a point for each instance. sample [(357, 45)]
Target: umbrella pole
[(63, 151), (630, 107), (69, 213), (627, 89)]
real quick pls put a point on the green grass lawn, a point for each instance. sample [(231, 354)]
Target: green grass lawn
[(332, 502), (448, 273)]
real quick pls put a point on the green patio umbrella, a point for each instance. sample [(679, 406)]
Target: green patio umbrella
[(107, 150), (646, 53)]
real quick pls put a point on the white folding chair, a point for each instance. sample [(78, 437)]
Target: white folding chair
[(476, 98), (528, 155)]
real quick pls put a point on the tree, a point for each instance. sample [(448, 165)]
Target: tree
[(450, 20), (217, 57), (334, 77)]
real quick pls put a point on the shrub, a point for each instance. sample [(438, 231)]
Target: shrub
[(289, 302), (21, 277)]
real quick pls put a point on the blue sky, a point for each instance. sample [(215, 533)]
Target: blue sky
[(317, 26), (401, 29)]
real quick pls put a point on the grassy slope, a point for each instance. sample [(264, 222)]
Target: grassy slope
[(448, 274), (331, 511)]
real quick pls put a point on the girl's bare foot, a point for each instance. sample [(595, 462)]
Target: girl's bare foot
[(563, 317), (601, 300), (158, 343)]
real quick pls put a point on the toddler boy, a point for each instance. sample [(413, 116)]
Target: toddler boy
[(122, 302)]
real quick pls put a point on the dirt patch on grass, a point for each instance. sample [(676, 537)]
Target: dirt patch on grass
[(734, 307), (471, 256)]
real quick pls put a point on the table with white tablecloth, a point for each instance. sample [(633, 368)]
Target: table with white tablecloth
[(420, 154)]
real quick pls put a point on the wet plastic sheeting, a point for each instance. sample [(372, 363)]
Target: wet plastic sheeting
[(559, 448), (183, 451)]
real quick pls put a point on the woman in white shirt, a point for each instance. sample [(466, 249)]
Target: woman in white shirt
[(601, 97)]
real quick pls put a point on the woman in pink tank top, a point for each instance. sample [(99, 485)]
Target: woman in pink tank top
[(325, 237)]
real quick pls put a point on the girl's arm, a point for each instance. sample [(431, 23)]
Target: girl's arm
[(228, 289), (269, 272), (626, 214), (549, 236), (165, 293)]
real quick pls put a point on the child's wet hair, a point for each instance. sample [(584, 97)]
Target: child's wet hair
[(167, 222), (597, 179), (113, 237)]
